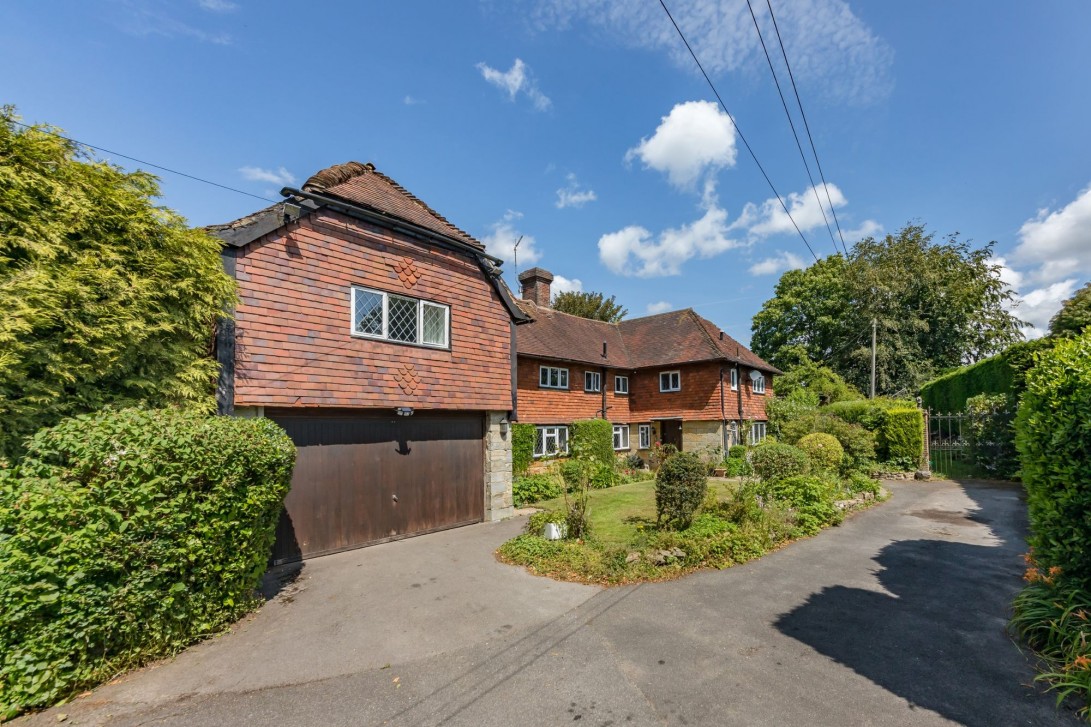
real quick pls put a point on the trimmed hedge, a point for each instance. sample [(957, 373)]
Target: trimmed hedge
[(898, 426), (522, 448), (1053, 434), (593, 439), (125, 536), (1004, 373)]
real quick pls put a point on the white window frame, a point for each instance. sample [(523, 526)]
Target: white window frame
[(675, 376), (619, 387), (385, 335), (559, 435), (592, 381), (735, 379), (758, 385), (545, 375), (757, 433), (644, 433), (621, 432)]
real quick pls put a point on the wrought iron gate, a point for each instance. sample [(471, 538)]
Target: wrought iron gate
[(949, 448)]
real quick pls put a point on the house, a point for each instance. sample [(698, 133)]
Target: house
[(673, 378), (380, 336)]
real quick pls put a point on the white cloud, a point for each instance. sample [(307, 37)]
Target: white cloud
[(777, 264), (572, 195), (1040, 304), (145, 20), (279, 176), (833, 52), (562, 284), (635, 251), (218, 6), (770, 218), (659, 307), (501, 241), (516, 79), (1058, 242), (867, 228), (412, 101), (694, 138)]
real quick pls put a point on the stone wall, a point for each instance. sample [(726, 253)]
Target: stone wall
[(498, 502), (705, 435)]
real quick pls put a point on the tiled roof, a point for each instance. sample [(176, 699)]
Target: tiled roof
[(364, 185), (666, 339)]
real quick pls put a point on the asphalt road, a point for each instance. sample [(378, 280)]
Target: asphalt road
[(895, 618)]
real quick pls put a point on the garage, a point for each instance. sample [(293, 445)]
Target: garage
[(364, 479)]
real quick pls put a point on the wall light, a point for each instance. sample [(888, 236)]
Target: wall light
[(404, 411), (504, 424)]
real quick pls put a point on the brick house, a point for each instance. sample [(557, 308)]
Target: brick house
[(379, 335), (671, 378)]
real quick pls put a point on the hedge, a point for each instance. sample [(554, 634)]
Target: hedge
[(1001, 374), (126, 535), (774, 461), (898, 426), (1053, 435), (592, 439), (522, 448)]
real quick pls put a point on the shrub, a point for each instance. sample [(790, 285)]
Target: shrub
[(680, 486), (783, 409), (535, 488), (990, 432), (1054, 442), (575, 473), (125, 536), (772, 461), (738, 467), (811, 498), (739, 450), (634, 461), (604, 475), (858, 443), (901, 438), (593, 439), (538, 520), (823, 450), (661, 453), (857, 483), (522, 448)]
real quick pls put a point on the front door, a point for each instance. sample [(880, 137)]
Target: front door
[(670, 432)]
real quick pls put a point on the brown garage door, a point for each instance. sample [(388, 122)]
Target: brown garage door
[(360, 480)]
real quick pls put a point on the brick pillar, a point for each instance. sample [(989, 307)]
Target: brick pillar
[(536, 284), (498, 502)]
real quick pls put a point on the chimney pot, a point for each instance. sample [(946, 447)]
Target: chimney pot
[(535, 284)]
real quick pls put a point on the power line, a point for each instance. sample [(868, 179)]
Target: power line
[(791, 123), (806, 125), (737, 129), (138, 161)]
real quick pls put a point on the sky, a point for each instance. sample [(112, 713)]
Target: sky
[(584, 126)]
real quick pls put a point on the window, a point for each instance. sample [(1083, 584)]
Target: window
[(550, 441), (621, 436), (645, 432), (592, 381), (391, 317), (550, 377), (670, 381), (735, 379), (757, 432), (759, 384), (621, 384)]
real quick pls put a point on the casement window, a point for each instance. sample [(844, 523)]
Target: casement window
[(549, 441), (757, 432), (391, 317), (735, 379), (759, 384), (551, 377), (621, 436), (645, 436), (621, 384), (592, 381), (670, 381)]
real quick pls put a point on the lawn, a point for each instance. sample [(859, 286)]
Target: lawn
[(618, 514)]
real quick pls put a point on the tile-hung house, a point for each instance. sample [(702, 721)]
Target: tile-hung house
[(379, 335), (673, 378)]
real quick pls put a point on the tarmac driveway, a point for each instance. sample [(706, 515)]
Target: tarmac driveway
[(895, 618)]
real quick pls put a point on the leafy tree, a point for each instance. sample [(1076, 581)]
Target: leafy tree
[(1074, 316), (938, 305), (821, 381), (107, 298), (589, 305)]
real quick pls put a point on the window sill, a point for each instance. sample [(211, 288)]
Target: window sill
[(380, 339)]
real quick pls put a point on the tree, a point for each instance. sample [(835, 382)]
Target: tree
[(937, 306), (107, 298), (1074, 315), (589, 305), (820, 381)]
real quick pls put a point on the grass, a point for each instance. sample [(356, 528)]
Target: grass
[(620, 514)]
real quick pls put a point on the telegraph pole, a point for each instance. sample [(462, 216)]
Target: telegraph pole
[(874, 323)]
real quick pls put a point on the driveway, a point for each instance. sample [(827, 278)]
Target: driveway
[(895, 618)]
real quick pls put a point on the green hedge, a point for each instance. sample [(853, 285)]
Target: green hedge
[(898, 426), (1001, 374), (522, 448), (774, 461), (126, 535), (592, 439), (1053, 435)]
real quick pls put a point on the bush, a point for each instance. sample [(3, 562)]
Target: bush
[(633, 461), (773, 461), (575, 473), (990, 433), (858, 443), (538, 520), (738, 467), (784, 408), (125, 536), (680, 486), (823, 450), (522, 448), (810, 497), (901, 438), (593, 439), (739, 450), (535, 488), (1054, 442), (857, 483), (604, 475)]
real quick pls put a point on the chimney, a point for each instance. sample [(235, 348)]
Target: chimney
[(535, 284)]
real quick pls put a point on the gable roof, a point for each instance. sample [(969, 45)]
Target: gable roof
[(667, 339)]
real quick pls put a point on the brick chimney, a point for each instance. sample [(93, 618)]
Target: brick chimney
[(536, 286)]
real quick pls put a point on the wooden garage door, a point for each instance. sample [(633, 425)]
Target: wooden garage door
[(360, 480)]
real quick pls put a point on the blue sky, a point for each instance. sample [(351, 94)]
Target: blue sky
[(585, 128)]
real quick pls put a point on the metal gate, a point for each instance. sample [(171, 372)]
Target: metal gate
[(949, 448)]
